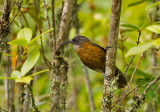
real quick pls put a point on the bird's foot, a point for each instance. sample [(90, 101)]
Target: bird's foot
[(107, 47), (107, 78)]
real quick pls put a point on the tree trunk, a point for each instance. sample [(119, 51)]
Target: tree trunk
[(4, 21), (111, 55), (59, 79)]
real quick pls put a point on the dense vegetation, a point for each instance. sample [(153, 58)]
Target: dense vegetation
[(32, 32)]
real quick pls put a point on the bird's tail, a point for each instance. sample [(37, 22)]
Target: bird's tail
[(122, 82)]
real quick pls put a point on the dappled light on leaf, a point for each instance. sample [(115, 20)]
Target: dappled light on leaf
[(20, 42), (131, 26), (30, 62), (154, 28), (16, 74), (25, 33), (156, 43), (139, 49), (24, 80)]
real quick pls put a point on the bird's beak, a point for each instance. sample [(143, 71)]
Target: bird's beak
[(63, 43)]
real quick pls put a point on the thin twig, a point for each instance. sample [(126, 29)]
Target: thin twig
[(19, 7), (48, 64), (140, 98), (138, 41), (126, 69), (24, 18), (139, 34), (150, 84), (88, 87), (131, 79), (128, 93)]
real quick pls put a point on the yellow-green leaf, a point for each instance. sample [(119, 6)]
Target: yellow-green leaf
[(127, 25), (154, 5), (25, 33), (16, 74), (33, 48), (136, 3), (156, 43), (20, 42), (24, 79), (30, 62), (139, 49), (35, 38), (154, 28)]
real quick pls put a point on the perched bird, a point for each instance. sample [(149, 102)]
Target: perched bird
[(93, 56)]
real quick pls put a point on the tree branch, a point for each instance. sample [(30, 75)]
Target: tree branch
[(131, 79), (111, 54), (50, 34), (140, 98), (88, 86), (4, 21), (53, 23), (59, 79), (138, 41)]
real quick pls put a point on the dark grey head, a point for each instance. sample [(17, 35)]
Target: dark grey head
[(76, 41)]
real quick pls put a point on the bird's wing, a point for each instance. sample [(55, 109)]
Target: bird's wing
[(99, 46)]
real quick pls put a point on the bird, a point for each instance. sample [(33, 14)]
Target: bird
[(93, 56)]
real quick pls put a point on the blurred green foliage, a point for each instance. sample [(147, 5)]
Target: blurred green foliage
[(94, 18)]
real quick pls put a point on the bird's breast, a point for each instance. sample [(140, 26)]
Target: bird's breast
[(91, 56)]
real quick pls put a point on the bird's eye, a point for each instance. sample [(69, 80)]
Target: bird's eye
[(73, 40), (80, 45)]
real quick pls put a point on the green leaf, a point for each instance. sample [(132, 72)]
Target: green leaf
[(25, 33), (30, 62), (137, 3), (39, 72), (156, 43), (38, 20), (16, 74), (34, 39), (154, 28), (130, 26), (20, 42), (139, 49), (139, 74), (24, 79), (33, 48), (154, 5), (36, 42)]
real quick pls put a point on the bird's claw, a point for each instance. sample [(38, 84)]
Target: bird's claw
[(107, 78), (107, 47)]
